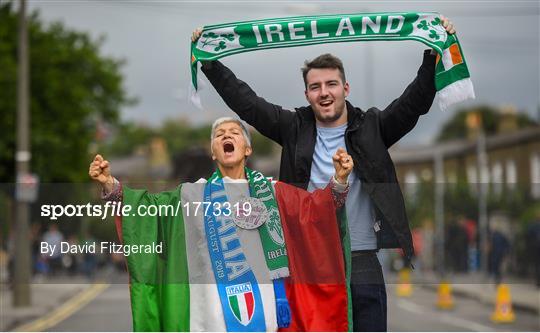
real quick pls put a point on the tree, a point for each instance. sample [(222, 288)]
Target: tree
[(456, 127), (421, 205), (71, 85), (126, 138)]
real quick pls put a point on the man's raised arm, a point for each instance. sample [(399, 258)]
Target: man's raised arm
[(402, 114), (400, 117)]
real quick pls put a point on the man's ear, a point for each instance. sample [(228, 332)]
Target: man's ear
[(305, 94), (249, 150), (346, 88)]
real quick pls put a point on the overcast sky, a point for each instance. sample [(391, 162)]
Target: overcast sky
[(500, 40)]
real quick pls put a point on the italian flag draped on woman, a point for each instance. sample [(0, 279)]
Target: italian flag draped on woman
[(239, 252), (176, 290)]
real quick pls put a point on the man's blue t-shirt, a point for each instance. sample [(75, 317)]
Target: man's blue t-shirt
[(358, 205)]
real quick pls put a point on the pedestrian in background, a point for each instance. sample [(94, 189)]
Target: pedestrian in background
[(499, 247), (53, 237)]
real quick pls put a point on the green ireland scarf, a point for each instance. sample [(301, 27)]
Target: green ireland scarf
[(452, 78), (271, 232)]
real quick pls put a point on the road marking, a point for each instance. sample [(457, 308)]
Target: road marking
[(410, 306), (449, 319), (65, 310)]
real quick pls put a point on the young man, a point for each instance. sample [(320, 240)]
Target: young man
[(231, 267), (375, 207)]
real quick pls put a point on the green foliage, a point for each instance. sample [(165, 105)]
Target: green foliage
[(456, 127), (516, 203), (127, 138), (262, 146), (524, 120), (71, 84), (180, 136), (8, 86), (421, 205), (460, 201), (530, 213)]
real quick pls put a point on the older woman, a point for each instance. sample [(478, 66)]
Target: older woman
[(235, 252)]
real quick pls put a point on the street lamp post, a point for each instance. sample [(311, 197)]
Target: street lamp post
[(483, 223), (439, 210), (22, 262)]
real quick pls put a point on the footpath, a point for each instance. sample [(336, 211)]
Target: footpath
[(46, 296), (53, 299)]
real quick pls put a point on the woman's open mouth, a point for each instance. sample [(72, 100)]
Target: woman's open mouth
[(228, 148)]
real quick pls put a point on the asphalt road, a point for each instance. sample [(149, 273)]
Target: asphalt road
[(418, 313), (110, 311)]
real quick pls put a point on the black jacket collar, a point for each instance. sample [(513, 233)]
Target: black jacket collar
[(305, 145)]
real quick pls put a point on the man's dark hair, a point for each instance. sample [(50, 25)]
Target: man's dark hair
[(323, 61)]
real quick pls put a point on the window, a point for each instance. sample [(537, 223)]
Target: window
[(451, 177), (411, 184), (535, 175), (427, 174), (472, 178), (497, 177), (511, 174), (472, 174)]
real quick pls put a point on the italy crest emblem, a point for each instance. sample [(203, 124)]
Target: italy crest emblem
[(241, 302)]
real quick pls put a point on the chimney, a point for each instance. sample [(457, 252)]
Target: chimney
[(474, 124), (508, 119), (160, 164)]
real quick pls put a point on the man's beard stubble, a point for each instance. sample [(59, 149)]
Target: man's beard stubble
[(329, 119)]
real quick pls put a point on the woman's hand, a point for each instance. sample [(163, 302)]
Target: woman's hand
[(343, 164)]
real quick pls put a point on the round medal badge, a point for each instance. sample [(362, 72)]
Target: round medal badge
[(257, 216)]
